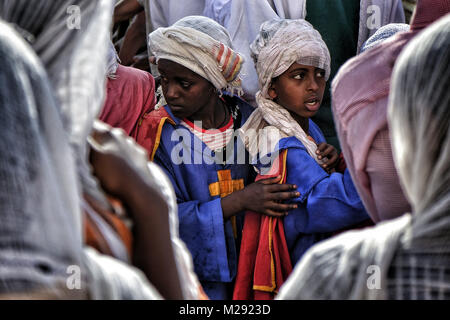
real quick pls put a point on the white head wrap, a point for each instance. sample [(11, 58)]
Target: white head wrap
[(112, 61), (419, 116), (203, 46), (279, 44), (40, 229)]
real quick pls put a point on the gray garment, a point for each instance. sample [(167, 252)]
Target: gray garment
[(40, 229), (72, 46), (40, 233)]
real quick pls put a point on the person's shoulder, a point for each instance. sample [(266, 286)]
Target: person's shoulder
[(290, 143), (159, 113), (153, 127), (337, 261), (315, 132)]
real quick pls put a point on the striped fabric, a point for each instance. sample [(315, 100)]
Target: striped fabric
[(215, 139), (229, 61)]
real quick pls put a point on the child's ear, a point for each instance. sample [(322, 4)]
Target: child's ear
[(272, 91)]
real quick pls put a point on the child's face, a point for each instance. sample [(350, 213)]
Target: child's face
[(186, 92), (299, 89)]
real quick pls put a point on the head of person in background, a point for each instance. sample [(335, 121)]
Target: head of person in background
[(382, 34)]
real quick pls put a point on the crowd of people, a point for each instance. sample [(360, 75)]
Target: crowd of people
[(225, 149)]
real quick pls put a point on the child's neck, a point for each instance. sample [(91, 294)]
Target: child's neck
[(303, 122), (213, 116)]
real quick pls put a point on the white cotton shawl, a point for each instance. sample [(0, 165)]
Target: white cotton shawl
[(419, 116), (280, 44), (40, 217), (112, 61)]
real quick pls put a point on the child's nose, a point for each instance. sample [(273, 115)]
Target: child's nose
[(312, 84), (171, 92)]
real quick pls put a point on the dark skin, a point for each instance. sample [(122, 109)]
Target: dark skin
[(151, 223), (300, 90), (125, 10), (191, 96), (134, 39)]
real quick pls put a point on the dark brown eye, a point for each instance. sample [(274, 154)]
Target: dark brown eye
[(299, 76), (185, 84)]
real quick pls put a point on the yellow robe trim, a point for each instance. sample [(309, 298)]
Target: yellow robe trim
[(158, 135), (225, 186)]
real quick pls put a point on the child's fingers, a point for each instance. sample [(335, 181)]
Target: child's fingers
[(321, 147), (281, 187), (322, 150), (281, 207), (334, 157), (279, 196), (327, 151), (272, 213)]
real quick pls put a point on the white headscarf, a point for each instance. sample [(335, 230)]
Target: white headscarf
[(113, 61), (203, 46), (419, 116), (279, 44), (40, 233)]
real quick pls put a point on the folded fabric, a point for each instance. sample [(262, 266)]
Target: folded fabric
[(264, 261)]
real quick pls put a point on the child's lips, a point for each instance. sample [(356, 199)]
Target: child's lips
[(312, 105), (176, 108)]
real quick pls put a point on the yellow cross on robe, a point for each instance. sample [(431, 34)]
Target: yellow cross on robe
[(225, 186)]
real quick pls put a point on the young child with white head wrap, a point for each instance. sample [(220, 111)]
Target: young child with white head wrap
[(293, 64), (203, 46), (280, 44)]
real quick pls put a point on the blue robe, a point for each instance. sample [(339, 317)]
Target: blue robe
[(327, 202), (210, 240)]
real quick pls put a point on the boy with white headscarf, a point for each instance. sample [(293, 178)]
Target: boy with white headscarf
[(293, 64)]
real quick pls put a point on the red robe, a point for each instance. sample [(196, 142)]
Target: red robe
[(264, 261)]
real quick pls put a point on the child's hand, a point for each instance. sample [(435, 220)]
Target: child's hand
[(329, 153), (264, 196)]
